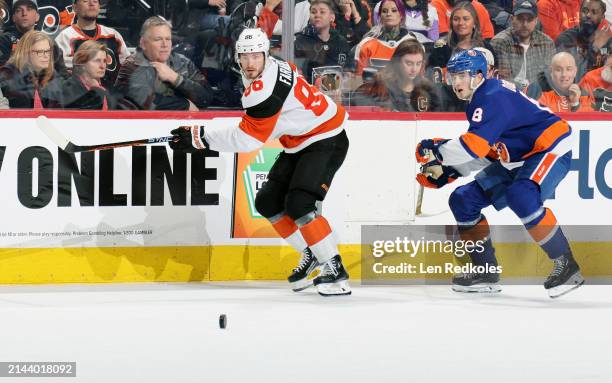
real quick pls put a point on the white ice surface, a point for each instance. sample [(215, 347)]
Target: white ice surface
[(170, 333)]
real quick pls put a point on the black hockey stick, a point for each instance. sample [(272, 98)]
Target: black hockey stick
[(69, 147)]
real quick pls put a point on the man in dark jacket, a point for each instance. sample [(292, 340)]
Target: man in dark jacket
[(155, 78), (587, 41)]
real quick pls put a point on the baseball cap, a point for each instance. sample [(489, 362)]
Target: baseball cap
[(31, 3), (525, 6)]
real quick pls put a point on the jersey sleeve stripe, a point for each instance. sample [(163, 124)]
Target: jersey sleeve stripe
[(550, 137), (259, 128), (475, 145)]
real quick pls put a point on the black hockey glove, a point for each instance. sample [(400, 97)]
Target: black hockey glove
[(188, 139)]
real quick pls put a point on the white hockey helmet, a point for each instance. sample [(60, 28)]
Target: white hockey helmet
[(252, 40)]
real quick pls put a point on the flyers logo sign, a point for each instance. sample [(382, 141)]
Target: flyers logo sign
[(4, 17), (49, 19), (111, 60)]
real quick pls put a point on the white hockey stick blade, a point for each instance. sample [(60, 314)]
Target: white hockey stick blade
[(426, 214), (50, 131)]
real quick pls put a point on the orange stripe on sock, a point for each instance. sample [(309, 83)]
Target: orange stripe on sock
[(315, 230), (544, 227), (477, 232), (285, 226)]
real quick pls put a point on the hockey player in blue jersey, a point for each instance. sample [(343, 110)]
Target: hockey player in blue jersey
[(523, 151)]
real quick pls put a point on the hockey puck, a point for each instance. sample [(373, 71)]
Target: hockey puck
[(222, 321)]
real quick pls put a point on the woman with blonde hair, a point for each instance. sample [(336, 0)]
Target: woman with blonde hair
[(28, 80), (84, 90), (464, 33)]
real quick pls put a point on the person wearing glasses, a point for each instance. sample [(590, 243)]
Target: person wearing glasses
[(25, 16), (28, 80)]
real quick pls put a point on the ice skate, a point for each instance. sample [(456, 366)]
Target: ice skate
[(476, 283), (564, 277), (299, 277), (333, 279)]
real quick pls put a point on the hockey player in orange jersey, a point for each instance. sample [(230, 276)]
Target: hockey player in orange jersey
[(279, 103)]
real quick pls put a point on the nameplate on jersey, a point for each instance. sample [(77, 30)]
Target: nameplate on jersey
[(282, 87)]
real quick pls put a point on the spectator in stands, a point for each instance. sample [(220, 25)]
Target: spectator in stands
[(464, 34), (522, 51), (445, 7), (87, 28), (598, 84), (28, 79), (269, 16), (212, 11), (320, 45), (84, 90), (587, 41), (352, 20), (421, 17), (400, 86), (558, 15), (556, 88), (25, 17), (155, 78), (380, 42), (500, 13)]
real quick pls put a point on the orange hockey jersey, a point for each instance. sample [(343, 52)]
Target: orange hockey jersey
[(280, 104)]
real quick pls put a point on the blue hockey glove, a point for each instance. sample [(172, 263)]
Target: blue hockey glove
[(429, 145)]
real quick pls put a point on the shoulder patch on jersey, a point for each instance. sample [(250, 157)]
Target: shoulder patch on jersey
[(276, 98)]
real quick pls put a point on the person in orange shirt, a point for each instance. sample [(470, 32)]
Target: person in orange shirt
[(445, 7), (557, 89), (558, 15), (380, 42), (598, 83)]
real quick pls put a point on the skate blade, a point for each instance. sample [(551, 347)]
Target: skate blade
[(489, 288), (301, 285), (572, 283), (332, 289)]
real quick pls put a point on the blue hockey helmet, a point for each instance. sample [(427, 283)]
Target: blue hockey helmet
[(470, 60)]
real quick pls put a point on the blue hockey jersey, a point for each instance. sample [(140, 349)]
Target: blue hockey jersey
[(510, 125)]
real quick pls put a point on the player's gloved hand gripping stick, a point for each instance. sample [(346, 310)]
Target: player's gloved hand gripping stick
[(188, 139)]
